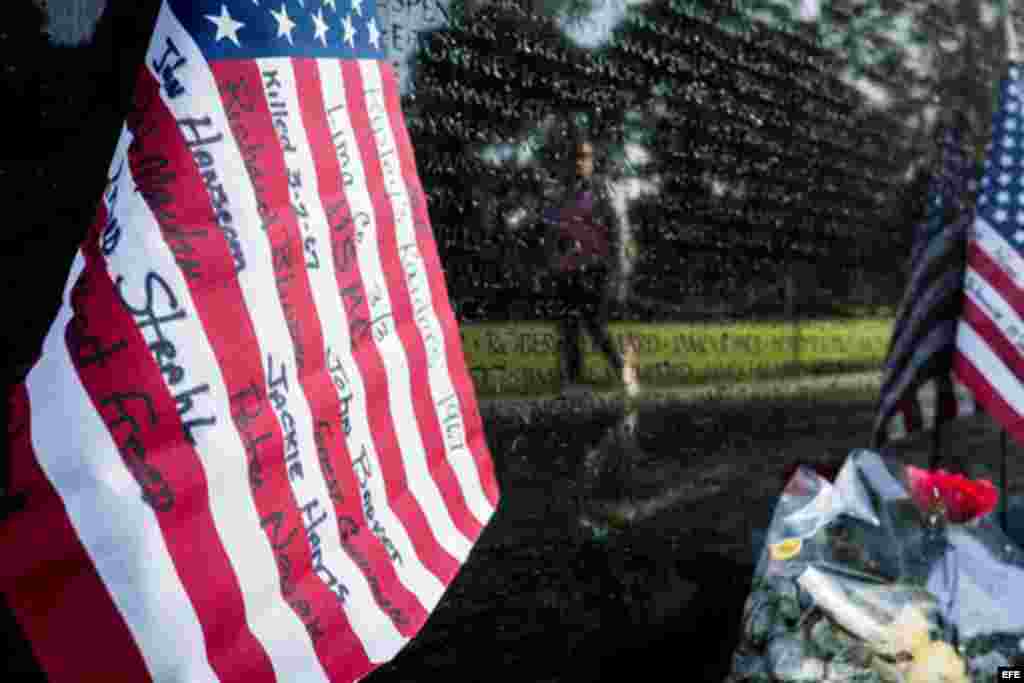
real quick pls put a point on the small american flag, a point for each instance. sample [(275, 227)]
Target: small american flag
[(990, 337), (251, 447), (919, 390)]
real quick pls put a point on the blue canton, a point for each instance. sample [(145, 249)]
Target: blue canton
[(1002, 198), (251, 29)]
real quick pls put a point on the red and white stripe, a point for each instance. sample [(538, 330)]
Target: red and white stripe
[(449, 376), (251, 333), (120, 534), (389, 431), (197, 592), (990, 337), (380, 421), (400, 349)]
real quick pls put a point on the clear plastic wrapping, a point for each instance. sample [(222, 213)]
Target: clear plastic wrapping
[(860, 581)]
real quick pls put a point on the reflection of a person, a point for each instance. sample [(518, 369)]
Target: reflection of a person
[(580, 246)]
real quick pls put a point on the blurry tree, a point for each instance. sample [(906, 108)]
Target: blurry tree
[(910, 60), (742, 137)]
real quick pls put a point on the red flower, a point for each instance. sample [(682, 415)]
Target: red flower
[(963, 498)]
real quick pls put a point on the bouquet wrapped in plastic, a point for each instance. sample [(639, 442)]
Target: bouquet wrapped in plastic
[(883, 576)]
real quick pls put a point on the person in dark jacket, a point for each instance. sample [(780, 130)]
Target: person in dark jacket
[(580, 241)]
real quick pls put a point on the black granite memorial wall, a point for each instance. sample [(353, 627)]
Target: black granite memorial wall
[(754, 164)]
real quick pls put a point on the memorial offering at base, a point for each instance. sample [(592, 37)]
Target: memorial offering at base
[(887, 574)]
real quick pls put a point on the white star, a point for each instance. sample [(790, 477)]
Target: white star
[(983, 199), (1020, 217), (226, 26), (374, 33), (1012, 107), (320, 32), (1004, 179), (1003, 197), (1015, 74), (985, 181), (330, 3), (1019, 235), (285, 25), (1001, 216), (1006, 160), (1008, 142), (1011, 124), (357, 7), (1012, 88), (350, 31)]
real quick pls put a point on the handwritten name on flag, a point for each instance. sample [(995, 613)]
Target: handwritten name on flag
[(251, 436), (990, 335)]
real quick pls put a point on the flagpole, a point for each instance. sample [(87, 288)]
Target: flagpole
[(936, 455)]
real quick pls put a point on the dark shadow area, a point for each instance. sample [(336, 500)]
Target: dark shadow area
[(19, 664), (547, 600), (71, 102), (684, 617)]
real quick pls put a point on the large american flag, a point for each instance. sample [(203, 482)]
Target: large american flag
[(990, 337), (919, 389), (251, 447)]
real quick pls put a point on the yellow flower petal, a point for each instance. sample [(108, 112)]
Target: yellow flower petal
[(937, 662), (787, 549)]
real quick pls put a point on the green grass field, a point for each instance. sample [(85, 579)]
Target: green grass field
[(522, 358)]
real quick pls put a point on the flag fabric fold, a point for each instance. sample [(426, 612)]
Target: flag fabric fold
[(989, 357), (919, 389), (251, 449)]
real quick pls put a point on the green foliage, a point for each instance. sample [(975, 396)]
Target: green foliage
[(865, 32)]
